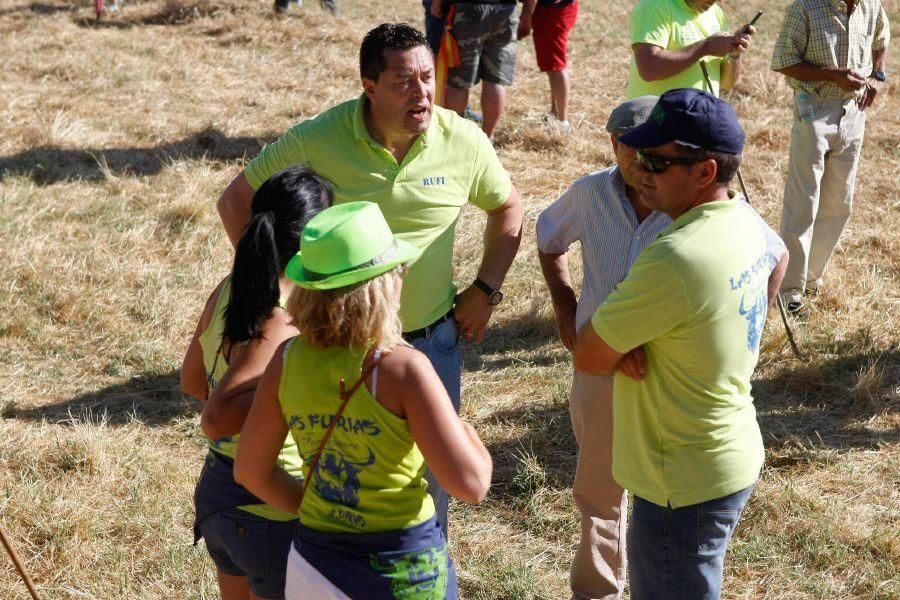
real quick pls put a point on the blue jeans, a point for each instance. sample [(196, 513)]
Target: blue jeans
[(678, 553), (441, 346)]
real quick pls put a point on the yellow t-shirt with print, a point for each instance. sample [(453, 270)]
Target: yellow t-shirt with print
[(696, 301), (672, 25)]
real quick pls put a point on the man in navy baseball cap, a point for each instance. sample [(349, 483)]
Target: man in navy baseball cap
[(686, 442), (696, 132), (691, 118)]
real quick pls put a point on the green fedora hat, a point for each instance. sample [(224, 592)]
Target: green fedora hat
[(346, 244)]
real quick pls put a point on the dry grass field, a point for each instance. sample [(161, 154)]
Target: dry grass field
[(115, 141)]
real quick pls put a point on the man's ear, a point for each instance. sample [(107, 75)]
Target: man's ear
[(707, 171), (369, 88)]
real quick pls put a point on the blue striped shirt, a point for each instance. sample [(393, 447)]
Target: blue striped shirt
[(596, 212)]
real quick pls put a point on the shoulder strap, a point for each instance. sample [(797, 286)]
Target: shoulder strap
[(212, 371), (345, 395)]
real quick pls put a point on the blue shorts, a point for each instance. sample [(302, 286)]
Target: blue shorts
[(405, 563), (245, 545)]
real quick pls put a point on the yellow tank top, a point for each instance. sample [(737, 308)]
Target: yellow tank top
[(370, 477), (215, 364)]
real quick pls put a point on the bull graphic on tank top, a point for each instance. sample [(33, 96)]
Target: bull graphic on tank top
[(337, 476)]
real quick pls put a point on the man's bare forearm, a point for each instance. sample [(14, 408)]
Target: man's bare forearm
[(555, 268), (879, 60), (234, 207), (776, 277), (502, 236), (565, 303), (804, 71), (655, 63)]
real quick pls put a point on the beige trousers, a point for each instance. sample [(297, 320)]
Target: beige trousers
[(598, 569), (826, 140)]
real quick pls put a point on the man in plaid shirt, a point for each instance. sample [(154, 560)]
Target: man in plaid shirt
[(833, 54)]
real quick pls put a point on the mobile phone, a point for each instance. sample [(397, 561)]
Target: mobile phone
[(753, 22)]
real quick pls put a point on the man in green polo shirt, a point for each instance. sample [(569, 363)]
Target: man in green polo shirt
[(669, 40), (421, 164), (682, 333)]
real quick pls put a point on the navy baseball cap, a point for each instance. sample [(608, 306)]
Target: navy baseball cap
[(692, 118)]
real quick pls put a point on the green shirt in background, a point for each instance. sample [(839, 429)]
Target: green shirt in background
[(452, 163), (696, 300), (672, 25)]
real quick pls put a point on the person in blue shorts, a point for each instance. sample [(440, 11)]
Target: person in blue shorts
[(241, 325)]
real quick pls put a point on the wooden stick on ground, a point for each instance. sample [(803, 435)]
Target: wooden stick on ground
[(18, 563)]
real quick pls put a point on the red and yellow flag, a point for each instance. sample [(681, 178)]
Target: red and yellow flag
[(447, 58)]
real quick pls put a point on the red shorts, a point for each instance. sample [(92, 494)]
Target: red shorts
[(550, 27)]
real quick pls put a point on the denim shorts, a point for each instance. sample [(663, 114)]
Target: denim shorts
[(245, 545)]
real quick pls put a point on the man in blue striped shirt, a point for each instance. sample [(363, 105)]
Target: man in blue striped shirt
[(603, 212)]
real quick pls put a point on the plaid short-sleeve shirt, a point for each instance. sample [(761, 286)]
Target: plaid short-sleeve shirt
[(821, 33)]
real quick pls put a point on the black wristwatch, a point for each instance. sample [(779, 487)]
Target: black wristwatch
[(495, 297), (880, 76)]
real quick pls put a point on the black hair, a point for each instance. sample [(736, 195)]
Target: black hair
[(726, 164), (387, 36), (280, 210)]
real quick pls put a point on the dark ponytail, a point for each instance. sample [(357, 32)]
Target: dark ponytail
[(281, 208)]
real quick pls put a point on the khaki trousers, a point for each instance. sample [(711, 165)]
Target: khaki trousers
[(826, 140), (598, 569)]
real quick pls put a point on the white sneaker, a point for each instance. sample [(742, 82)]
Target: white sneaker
[(563, 127), (793, 302)]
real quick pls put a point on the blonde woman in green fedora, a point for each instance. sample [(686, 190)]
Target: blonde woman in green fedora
[(367, 412)]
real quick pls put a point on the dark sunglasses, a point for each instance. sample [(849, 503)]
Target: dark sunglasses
[(656, 164)]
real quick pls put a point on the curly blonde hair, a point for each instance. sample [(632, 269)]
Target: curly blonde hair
[(354, 316)]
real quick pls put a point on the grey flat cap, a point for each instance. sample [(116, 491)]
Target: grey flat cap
[(630, 114)]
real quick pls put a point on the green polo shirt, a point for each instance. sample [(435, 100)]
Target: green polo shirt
[(452, 163), (672, 25), (696, 300)]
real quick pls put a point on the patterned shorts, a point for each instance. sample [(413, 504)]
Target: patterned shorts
[(486, 35)]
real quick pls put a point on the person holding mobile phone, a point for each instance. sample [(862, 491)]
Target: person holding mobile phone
[(669, 40), (833, 55)]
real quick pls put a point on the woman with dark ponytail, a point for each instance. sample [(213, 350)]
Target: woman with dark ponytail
[(242, 324)]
